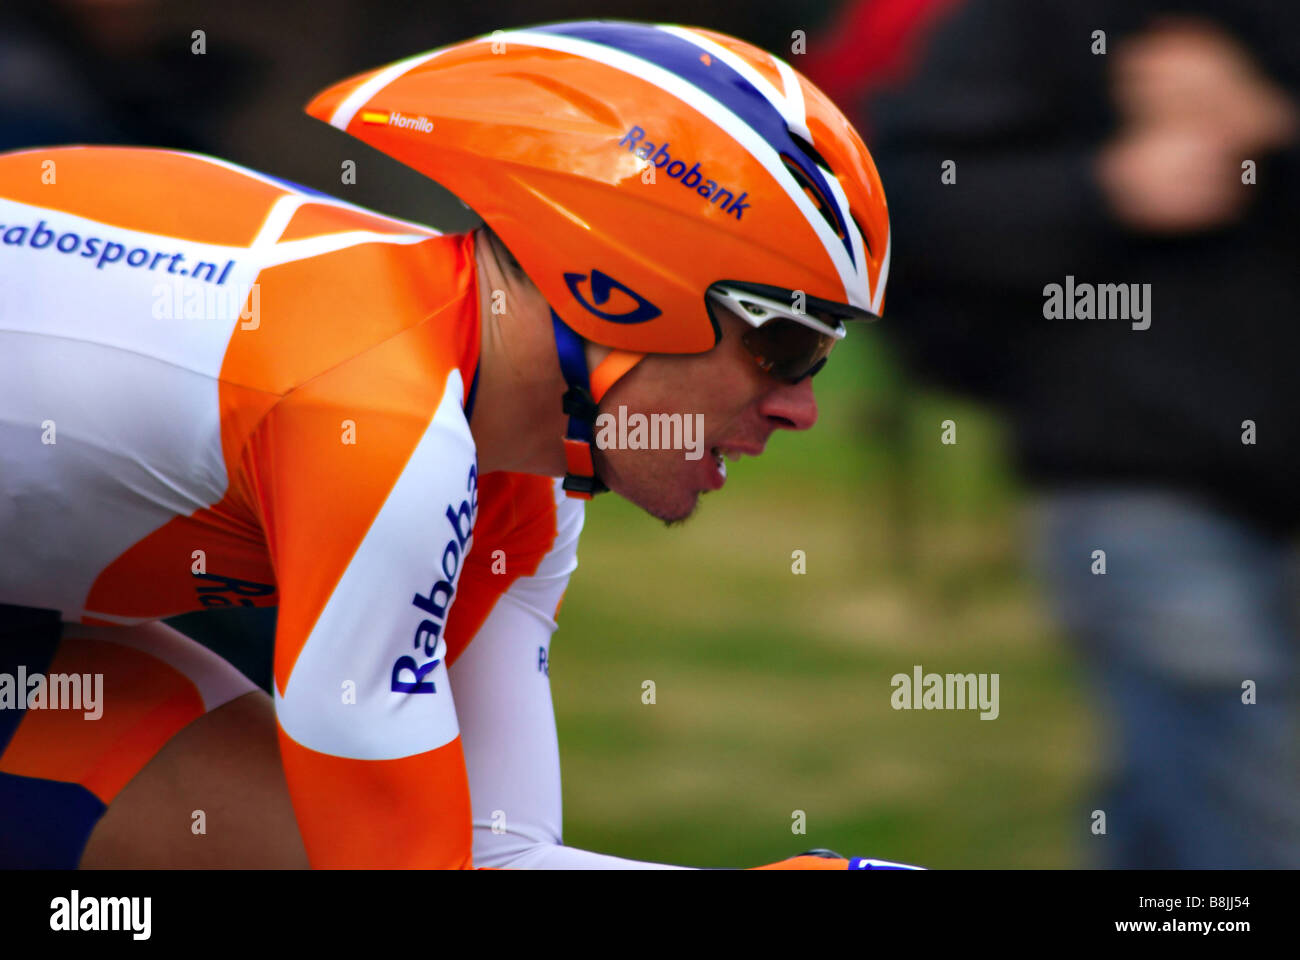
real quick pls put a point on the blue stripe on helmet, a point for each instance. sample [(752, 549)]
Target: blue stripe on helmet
[(717, 79)]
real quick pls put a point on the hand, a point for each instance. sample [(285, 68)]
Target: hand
[(1170, 180), (1194, 106), (1187, 72), (821, 859)]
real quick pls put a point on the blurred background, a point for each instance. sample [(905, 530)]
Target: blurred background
[(1020, 142)]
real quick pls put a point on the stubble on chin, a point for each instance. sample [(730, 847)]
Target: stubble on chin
[(681, 518), (678, 521), (648, 493), (671, 515)]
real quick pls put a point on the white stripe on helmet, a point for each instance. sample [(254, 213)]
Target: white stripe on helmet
[(878, 299), (856, 286), (793, 109), (853, 233), (359, 97)]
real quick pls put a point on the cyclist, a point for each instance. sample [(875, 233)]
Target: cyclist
[(375, 425)]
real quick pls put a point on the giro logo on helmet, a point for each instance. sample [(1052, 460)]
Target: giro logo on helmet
[(601, 286), (635, 141)]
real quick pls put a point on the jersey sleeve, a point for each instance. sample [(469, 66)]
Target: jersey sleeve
[(368, 514), (507, 722)]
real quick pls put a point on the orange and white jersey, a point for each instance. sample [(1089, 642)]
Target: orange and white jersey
[(216, 389)]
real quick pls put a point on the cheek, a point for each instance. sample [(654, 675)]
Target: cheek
[(719, 390), (720, 385)]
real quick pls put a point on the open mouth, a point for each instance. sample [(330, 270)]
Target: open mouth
[(721, 454), (720, 461), (718, 469)]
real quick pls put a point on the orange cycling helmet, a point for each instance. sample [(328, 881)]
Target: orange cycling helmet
[(641, 174)]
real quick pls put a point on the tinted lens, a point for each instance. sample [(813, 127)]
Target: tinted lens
[(787, 349)]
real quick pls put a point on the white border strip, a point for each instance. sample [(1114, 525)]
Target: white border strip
[(793, 108), (879, 296), (856, 288), (359, 97)]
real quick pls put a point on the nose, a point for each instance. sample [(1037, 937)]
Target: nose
[(791, 406)]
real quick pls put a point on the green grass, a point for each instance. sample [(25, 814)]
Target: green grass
[(773, 689)]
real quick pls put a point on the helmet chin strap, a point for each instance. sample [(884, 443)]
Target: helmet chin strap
[(581, 402)]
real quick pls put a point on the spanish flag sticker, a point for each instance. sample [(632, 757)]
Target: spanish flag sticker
[(373, 116)]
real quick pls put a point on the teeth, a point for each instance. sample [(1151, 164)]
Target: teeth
[(722, 468)]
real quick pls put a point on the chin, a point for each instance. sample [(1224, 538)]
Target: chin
[(662, 483), (670, 506), (679, 515)]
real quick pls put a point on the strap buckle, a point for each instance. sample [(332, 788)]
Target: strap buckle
[(583, 488), (579, 403)]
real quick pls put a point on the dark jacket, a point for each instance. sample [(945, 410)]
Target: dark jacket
[(1010, 90)]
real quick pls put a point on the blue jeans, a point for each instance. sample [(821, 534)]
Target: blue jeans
[(1193, 604)]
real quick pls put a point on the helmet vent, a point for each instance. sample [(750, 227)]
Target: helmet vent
[(819, 200), (866, 240), (823, 205), (812, 153)]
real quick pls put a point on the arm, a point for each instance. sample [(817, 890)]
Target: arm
[(359, 535), (507, 721), (511, 751), (508, 730)]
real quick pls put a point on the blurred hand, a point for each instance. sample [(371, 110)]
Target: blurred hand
[(1185, 72), (1171, 180), (1194, 106)]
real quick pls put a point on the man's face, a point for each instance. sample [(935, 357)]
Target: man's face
[(739, 407)]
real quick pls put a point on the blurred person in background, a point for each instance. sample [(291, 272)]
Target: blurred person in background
[(108, 71), (1123, 164)]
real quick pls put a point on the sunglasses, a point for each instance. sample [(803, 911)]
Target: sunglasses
[(788, 344)]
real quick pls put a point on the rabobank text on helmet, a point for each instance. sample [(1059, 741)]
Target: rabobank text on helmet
[(694, 178)]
